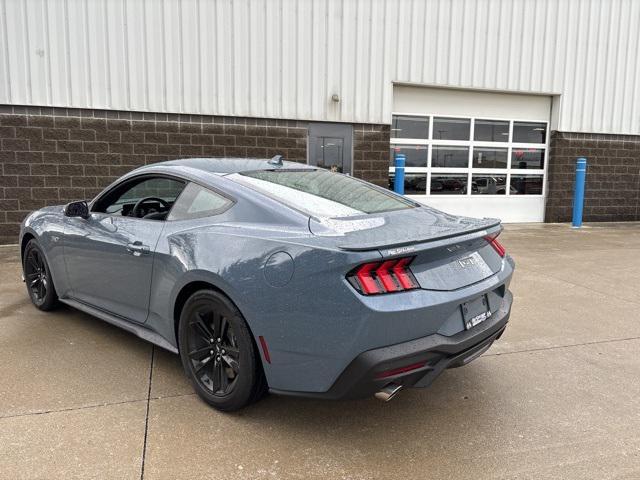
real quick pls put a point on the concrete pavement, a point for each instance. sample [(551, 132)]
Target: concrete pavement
[(557, 397)]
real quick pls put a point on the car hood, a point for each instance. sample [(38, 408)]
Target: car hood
[(397, 228)]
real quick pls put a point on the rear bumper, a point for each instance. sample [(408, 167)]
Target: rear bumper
[(361, 378)]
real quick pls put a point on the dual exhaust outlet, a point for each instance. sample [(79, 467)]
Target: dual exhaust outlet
[(388, 392)]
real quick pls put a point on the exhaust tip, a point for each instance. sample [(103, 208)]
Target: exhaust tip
[(388, 392)]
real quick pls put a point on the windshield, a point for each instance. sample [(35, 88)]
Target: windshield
[(322, 193)]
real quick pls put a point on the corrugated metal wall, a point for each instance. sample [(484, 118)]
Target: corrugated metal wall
[(285, 58)]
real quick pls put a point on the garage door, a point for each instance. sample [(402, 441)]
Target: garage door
[(478, 154)]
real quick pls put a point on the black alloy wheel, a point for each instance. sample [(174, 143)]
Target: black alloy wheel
[(37, 277), (218, 352), (213, 349)]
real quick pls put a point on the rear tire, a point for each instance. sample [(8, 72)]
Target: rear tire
[(37, 277), (218, 352)]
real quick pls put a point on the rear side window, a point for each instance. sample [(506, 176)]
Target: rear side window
[(322, 193), (196, 201)]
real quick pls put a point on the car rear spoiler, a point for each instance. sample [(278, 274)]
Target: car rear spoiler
[(462, 234)]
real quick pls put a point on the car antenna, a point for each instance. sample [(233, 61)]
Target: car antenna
[(276, 160)]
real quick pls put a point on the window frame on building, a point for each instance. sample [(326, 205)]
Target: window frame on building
[(471, 144)]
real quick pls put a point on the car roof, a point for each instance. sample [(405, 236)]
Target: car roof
[(224, 166)]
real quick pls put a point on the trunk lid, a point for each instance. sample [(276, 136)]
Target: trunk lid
[(449, 252), (455, 263)]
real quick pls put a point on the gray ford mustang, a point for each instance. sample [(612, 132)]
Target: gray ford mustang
[(267, 275)]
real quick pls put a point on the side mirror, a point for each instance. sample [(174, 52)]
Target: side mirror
[(77, 209)]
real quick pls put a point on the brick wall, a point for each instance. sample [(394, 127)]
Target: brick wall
[(371, 153), (51, 156), (613, 176)]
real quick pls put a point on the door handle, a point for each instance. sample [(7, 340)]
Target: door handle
[(137, 248)]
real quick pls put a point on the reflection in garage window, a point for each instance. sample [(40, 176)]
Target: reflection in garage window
[(414, 183), (416, 155), (491, 131), (488, 184), (529, 158), (450, 157), (405, 126), (490, 157), (448, 184), (526, 185), (451, 128), (480, 154), (529, 132)]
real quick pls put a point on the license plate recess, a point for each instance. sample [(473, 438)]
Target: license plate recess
[(475, 311)]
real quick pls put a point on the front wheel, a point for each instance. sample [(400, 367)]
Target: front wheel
[(37, 276), (218, 353)]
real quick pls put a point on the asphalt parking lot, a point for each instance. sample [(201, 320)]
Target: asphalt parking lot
[(557, 397)]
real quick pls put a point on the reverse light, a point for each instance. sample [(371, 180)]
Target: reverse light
[(389, 276), (497, 246)]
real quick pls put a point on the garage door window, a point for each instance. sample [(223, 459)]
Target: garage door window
[(528, 132), (416, 155), (469, 156), (488, 157), (451, 128), (491, 131), (449, 156), (410, 127)]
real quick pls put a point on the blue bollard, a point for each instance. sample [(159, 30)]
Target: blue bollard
[(578, 193), (398, 181)]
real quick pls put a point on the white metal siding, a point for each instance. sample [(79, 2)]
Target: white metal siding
[(285, 58)]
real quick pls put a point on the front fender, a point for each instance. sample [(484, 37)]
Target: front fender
[(47, 227)]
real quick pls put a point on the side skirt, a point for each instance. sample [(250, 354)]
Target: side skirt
[(138, 330)]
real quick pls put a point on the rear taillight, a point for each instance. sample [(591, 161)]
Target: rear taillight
[(390, 276), (497, 246)]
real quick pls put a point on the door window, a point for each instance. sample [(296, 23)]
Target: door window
[(154, 197), (329, 153)]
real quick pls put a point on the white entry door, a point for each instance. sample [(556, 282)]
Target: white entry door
[(477, 154)]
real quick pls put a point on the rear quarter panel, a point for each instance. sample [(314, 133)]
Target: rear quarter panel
[(305, 320), (316, 323)]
